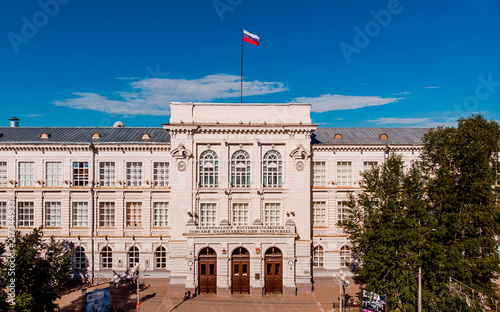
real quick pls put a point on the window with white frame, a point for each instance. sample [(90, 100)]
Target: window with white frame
[(272, 169), (319, 213), (107, 173), (160, 173), (133, 256), (161, 258), (3, 173), (272, 214), (134, 214), (25, 214), (345, 256), (79, 258), (368, 165), (134, 173), (319, 257), (53, 173), (3, 214), (107, 214), (319, 173), (52, 214), (80, 214), (209, 169), (107, 258), (80, 173), (26, 173), (240, 214), (344, 173), (240, 169), (160, 214), (342, 214), (208, 214)]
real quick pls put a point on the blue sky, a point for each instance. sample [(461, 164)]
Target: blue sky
[(404, 63)]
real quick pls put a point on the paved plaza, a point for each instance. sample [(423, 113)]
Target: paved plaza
[(155, 297)]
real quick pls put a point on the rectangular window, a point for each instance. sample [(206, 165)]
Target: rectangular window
[(3, 173), (52, 214), (368, 165), (80, 214), (107, 174), (107, 214), (240, 214), (80, 173), (344, 173), (208, 214), (160, 173), (319, 173), (134, 214), (272, 214), (26, 173), (342, 214), (3, 214), (319, 213), (53, 173), (134, 173), (25, 214), (160, 214)]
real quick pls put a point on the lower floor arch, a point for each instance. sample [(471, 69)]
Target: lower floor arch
[(207, 271), (240, 277), (273, 271)]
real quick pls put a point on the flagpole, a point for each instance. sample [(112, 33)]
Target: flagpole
[(241, 79)]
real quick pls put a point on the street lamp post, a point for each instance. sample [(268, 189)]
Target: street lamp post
[(341, 280), (420, 274)]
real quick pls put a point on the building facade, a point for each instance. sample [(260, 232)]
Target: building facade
[(226, 198)]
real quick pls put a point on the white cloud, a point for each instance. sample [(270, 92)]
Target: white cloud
[(417, 122), (330, 102), (433, 87), (401, 93), (152, 96)]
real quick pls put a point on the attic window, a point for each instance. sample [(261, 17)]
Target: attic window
[(338, 136), (44, 136), (96, 136), (146, 137), (383, 136)]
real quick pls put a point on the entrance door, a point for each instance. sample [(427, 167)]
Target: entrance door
[(241, 271), (274, 278), (207, 271)]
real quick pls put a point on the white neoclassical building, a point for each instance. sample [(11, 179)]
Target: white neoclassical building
[(226, 198)]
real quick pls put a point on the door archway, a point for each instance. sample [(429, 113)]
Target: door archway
[(274, 271), (240, 271), (207, 271)]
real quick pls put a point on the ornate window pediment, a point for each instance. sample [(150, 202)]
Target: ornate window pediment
[(300, 153), (181, 152)]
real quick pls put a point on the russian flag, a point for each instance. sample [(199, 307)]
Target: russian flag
[(251, 38)]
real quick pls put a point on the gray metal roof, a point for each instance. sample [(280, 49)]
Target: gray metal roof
[(82, 135), (369, 136), (75, 135)]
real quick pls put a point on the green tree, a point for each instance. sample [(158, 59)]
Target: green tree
[(42, 267), (387, 223), (442, 216), (462, 164)]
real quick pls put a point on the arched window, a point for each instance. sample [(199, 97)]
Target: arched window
[(272, 169), (133, 256), (319, 257), (345, 256), (240, 169), (209, 169), (161, 257), (80, 258), (107, 258)]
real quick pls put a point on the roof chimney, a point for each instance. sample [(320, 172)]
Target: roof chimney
[(14, 122)]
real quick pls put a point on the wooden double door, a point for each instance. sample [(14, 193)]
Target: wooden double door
[(207, 271), (240, 271), (274, 271)]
